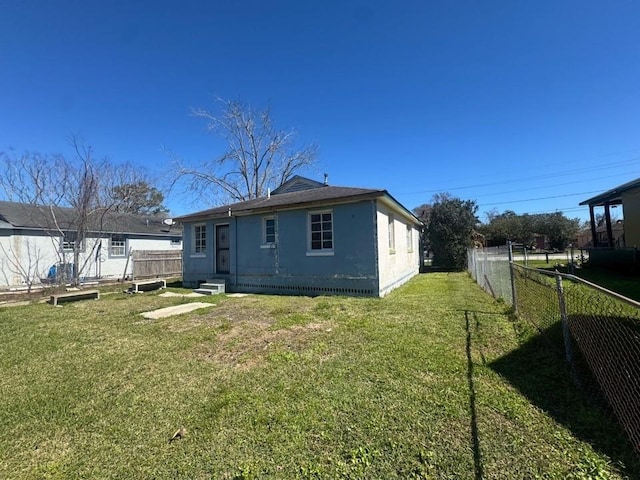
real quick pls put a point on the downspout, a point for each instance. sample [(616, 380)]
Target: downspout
[(276, 254), (374, 206), (235, 252)]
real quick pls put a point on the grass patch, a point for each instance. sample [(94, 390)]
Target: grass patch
[(421, 384), (624, 284)]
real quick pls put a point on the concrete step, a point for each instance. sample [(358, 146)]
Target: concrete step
[(207, 291), (211, 287)]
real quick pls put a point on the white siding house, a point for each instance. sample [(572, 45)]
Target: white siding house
[(30, 246)]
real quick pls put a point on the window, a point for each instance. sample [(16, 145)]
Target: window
[(200, 239), (269, 230), (321, 231), (69, 241), (392, 233), (176, 241), (409, 238), (118, 246)]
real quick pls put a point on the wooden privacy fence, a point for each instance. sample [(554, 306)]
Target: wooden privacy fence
[(157, 263)]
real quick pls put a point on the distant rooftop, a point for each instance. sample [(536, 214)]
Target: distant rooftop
[(39, 217)]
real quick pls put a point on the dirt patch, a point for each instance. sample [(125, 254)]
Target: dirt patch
[(248, 334), (234, 312), (248, 343)]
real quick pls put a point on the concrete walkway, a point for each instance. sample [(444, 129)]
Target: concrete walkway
[(173, 294), (176, 310)]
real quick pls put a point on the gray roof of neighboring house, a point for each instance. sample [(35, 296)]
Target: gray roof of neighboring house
[(14, 215), (291, 197), (612, 196)]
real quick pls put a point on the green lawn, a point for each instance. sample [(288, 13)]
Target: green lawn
[(626, 284), (433, 381)]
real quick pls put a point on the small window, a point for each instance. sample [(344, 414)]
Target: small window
[(69, 241), (392, 233), (199, 238), (118, 246), (269, 230), (321, 231), (409, 238)]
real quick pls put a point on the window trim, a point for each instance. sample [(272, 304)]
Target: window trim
[(321, 252), (409, 238), (265, 242), (124, 245), (194, 240)]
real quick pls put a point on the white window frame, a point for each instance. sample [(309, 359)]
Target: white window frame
[(266, 243), (392, 233), (409, 238), (199, 242), (322, 251), (121, 238)]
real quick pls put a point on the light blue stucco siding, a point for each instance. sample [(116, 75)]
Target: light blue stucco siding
[(290, 265), (197, 266)]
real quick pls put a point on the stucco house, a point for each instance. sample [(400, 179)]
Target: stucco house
[(34, 238), (305, 237)]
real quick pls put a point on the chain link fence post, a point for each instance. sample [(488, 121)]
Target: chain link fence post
[(513, 280), (566, 334)]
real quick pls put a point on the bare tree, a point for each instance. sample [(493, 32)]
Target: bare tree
[(67, 197), (257, 155)]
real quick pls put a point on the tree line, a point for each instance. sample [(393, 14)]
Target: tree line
[(451, 226)]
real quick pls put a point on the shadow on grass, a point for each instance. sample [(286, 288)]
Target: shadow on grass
[(437, 269), (477, 458), (540, 374)]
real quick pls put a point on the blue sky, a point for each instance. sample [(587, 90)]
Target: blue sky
[(528, 106)]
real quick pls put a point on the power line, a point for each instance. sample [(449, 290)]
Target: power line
[(550, 186), (541, 198), (561, 173)]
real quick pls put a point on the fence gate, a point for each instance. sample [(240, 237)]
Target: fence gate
[(157, 263)]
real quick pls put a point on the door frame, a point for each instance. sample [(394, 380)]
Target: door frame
[(215, 248)]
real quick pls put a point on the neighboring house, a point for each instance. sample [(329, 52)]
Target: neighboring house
[(35, 238), (627, 195), (617, 229), (304, 238)]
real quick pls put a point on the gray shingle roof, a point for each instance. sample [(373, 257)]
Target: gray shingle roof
[(320, 195), (16, 215), (309, 197)]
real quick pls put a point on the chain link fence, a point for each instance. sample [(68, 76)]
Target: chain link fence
[(489, 267), (596, 330)]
